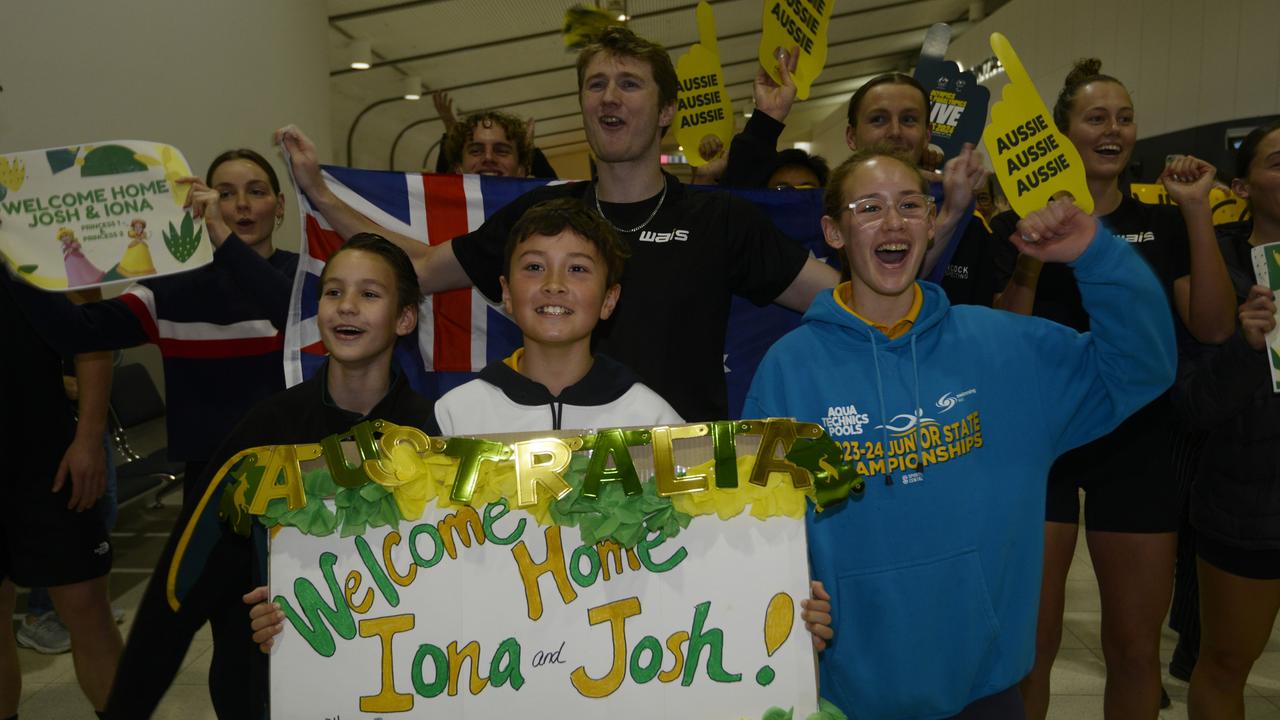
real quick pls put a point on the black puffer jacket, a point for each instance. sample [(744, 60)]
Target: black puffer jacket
[(1226, 390)]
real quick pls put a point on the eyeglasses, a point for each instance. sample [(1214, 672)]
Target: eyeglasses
[(873, 211)]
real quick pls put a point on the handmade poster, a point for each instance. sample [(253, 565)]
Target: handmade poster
[(703, 106), (622, 572), (796, 23), (94, 214), (958, 104), (1032, 160), (1266, 266)]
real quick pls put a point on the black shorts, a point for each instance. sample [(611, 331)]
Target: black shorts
[(1255, 564), (1128, 478), (42, 543)]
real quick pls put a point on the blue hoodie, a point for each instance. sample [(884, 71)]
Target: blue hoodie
[(934, 572)]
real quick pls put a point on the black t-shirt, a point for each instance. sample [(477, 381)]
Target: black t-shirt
[(967, 279), (700, 249), (1159, 235), (1157, 232)]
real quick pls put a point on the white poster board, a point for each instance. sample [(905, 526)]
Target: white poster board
[(98, 213), (551, 621)]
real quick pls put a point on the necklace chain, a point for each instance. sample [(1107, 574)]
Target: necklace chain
[(661, 198)]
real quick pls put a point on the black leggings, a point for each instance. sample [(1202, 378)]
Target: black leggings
[(161, 637)]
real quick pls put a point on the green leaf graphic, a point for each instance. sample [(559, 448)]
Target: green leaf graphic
[(183, 243)]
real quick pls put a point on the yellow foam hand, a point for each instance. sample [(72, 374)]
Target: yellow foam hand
[(175, 166), (1032, 159), (796, 23), (703, 106), (12, 175)]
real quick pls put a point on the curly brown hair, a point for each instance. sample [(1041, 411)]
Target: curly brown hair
[(455, 141)]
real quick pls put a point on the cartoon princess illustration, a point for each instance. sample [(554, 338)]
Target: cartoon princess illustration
[(79, 270), (137, 257)]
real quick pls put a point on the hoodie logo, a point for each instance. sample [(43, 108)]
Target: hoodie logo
[(950, 400), (657, 237), (844, 420)]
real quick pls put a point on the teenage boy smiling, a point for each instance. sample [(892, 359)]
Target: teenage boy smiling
[(563, 263), (691, 252)]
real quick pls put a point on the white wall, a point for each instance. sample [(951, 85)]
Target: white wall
[(204, 77), (1186, 62)]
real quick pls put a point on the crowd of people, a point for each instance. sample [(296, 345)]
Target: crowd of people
[(1121, 355)]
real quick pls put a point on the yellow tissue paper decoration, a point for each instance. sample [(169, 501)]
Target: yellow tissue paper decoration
[(778, 498), (1032, 159), (703, 106), (796, 23)]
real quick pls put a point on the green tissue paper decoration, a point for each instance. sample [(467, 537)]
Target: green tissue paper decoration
[(614, 515)]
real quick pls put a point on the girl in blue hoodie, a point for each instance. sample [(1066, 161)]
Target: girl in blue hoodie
[(955, 415)]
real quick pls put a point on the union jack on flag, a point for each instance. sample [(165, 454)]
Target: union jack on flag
[(460, 331)]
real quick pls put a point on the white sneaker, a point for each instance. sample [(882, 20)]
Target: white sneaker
[(46, 635), (117, 614)]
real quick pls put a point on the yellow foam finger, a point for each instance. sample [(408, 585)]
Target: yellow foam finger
[(1031, 158), (703, 106)]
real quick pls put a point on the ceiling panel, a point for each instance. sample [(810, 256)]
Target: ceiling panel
[(509, 55)]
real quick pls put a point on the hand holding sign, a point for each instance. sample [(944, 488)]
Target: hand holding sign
[(776, 98), (1033, 161), (703, 107), (1258, 317), (795, 23)]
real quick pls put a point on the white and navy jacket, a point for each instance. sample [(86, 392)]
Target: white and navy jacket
[(503, 400)]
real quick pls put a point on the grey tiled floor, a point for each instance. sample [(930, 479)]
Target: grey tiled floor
[(50, 690)]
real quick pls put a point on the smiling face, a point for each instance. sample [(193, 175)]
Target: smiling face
[(894, 115), (883, 249), (557, 289), (620, 108), (248, 204), (1101, 126), (490, 152), (358, 316), (1261, 185)]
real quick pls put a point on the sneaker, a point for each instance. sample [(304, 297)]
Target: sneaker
[(46, 635), (117, 614)]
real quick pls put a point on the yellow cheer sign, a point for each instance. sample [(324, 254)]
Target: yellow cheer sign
[(703, 107), (1032, 160), (796, 23)]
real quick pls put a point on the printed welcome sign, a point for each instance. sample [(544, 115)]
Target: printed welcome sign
[(93, 214), (620, 573)]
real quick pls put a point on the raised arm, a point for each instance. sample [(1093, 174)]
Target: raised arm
[(437, 266), (70, 329), (751, 151), (1088, 383), (1205, 299), (261, 282), (961, 176)]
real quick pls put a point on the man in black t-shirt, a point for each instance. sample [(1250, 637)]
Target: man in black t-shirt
[(691, 251)]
